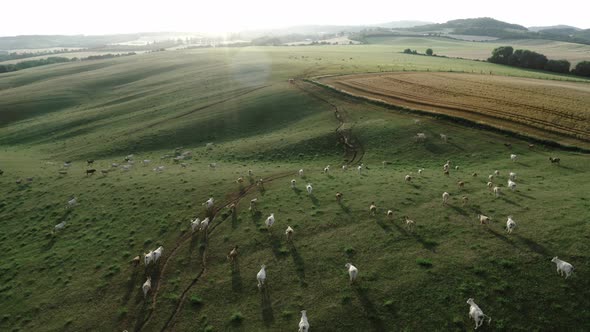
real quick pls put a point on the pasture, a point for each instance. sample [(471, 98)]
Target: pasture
[(80, 277)]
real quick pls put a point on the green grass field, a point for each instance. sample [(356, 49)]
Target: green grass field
[(80, 279)]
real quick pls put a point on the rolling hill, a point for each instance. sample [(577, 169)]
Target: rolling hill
[(159, 105)]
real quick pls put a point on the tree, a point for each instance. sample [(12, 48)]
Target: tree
[(558, 66), (408, 51), (582, 69), (501, 54), (429, 51)]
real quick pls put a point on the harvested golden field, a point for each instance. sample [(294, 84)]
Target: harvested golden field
[(549, 110)]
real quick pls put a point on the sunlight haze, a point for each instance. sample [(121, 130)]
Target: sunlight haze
[(111, 17)]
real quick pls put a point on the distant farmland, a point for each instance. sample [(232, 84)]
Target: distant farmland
[(558, 111)]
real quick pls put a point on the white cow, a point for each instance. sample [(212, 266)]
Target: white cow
[(195, 224), (309, 188), (477, 314), (510, 225), (303, 323), (270, 220), (147, 285), (352, 272), (261, 276), (563, 267), (158, 253)]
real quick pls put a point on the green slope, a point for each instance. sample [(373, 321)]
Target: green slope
[(240, 100)]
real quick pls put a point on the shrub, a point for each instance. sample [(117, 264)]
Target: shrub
[(236, 318), (424, 262), (429, 51)]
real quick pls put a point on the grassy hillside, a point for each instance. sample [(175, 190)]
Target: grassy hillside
[(239, 99)]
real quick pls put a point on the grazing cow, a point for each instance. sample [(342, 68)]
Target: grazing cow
[(289, 232), (410, 224), (352, 272), (90, 162), (465, 200), (157, 253), (309, 188), (135, 261), (513, 157), (461, 184), (477, 314), (59, 226), (148, 257), (90, 171), (338, 197), (563, 267), (445, 198), (270, 220), (554, 160), (483, 220), (443, 137), (373, 209), (420, 137), (303, 323), (261, 276), (233, 254), (147, 285), (253, 207), (195, 224), (72, 202), (510, 225)]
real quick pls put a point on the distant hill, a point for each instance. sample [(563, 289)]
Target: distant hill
[(484, 26), (49, 41), (403, 24), (560, 26)]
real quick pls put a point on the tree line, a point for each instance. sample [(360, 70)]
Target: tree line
[(506, 55), (54, 59)]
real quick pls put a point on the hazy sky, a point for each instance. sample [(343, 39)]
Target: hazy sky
[(122, 16)]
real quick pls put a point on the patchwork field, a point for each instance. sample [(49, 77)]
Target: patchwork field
[(481, 50), (558, 111), (158, 105)]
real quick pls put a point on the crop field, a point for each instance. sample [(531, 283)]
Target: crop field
[(236, 108), (556, 50), (558, 111)]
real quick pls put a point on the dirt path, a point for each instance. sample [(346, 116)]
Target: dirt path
[(354, 148), (354, 152)]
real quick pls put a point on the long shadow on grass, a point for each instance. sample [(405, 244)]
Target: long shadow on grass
[(519, 193), (256, 218), (509, 201), (427, 244), (276, 245), (131, 284), (532, 245), (344, 208), (459, 210), (266, 305), (297, 191), (49, 244), (298, 262), (236, 278), (500, 236), (234, 219), (370, 309), (314, 200), (193, 243), (379, 221)]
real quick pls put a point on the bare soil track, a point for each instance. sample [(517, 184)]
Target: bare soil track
[(354, 154), (551, 110)]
